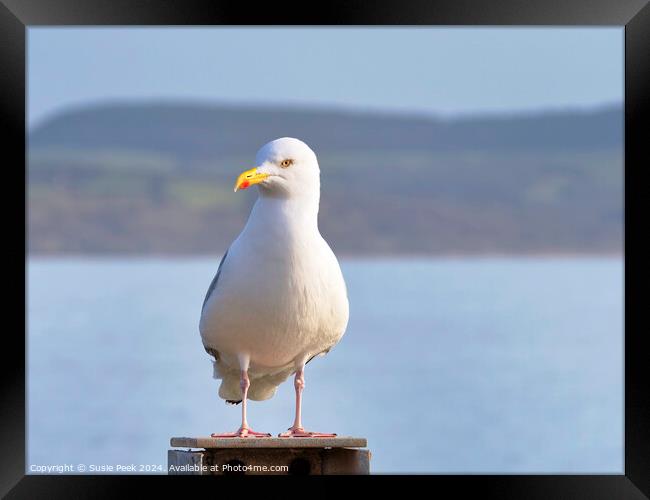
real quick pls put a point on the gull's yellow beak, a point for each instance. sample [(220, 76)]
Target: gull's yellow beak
[(248, 178)]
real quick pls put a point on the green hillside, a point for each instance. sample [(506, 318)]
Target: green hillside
[(157, 178)]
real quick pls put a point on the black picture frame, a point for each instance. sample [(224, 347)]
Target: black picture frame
[(17, 15)]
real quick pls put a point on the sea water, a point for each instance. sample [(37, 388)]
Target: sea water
[(451, 365)]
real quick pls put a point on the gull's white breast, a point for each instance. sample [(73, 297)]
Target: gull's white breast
[(280, 296)]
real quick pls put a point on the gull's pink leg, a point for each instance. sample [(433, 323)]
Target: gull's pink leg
[(244, 431), (297, 430)]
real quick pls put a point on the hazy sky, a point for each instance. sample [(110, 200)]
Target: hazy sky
[(441, 70)]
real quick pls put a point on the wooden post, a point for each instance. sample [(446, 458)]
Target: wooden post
[(299, 456)]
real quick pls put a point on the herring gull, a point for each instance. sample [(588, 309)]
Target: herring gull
[(278, 298)]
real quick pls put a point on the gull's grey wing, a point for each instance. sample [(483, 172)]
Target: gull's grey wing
[(214, 280), (322, 352)]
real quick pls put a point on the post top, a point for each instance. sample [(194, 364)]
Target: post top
[(269, 442)]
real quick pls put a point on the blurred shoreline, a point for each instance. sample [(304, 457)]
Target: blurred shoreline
[(341, 256), (156, 178)]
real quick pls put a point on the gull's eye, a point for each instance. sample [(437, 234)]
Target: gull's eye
[(286, 163)]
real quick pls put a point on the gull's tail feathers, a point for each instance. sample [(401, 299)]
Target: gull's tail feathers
[(263, 386)]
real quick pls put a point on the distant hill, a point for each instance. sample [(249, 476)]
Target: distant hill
[(157, 178)]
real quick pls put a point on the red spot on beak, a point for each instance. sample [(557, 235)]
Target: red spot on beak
[(244, 185)]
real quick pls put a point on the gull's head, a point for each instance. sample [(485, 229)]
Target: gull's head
[(285, 167)]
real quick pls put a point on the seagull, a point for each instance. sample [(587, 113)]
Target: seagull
[(278, 298)]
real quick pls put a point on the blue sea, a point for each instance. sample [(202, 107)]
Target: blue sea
[(450, 365)]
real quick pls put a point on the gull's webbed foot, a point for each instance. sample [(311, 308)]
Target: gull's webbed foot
[(300, 432), (242, 432)]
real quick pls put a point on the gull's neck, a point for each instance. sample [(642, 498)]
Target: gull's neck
[(291, 213)]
